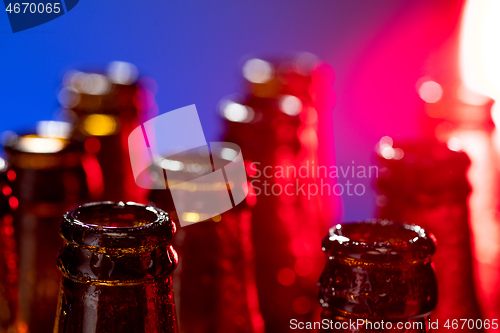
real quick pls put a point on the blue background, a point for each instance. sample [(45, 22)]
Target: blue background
[(194, 50)]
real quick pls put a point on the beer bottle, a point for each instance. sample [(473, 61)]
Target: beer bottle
[(215, 282), (284, 128), (8, 252), (103, 109), (378, 278), (47, 179), (116, 262), (425, 182)]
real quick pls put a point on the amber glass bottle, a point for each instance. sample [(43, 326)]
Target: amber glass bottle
[(116, 262), (425, 182), (8, 253), (104, 109), (46, 179), (215, 282), (283, 125), (378, 274)]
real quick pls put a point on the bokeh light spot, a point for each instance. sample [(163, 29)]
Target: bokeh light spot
[(286, 276), (258, 71), (430, 91)]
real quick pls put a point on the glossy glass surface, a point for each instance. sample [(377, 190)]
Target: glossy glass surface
[(378, 270), (116, 264)]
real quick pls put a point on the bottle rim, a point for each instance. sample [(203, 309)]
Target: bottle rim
[(108, 225), (379, 241)]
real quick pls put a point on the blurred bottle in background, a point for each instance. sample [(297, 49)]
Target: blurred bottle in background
[(479, 72), (465, 120), (425, 183), (283, 122), (46, 179), (8, 252), (215, 283), (104, 109)]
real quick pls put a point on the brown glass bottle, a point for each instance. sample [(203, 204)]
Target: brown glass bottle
[(104, 109), (425, 182), (215, 282), (283, 125), (116, 262), (8, 253), (47, 179), (377, 271)]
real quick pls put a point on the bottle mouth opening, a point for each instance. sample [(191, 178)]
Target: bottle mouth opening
[(116, 225), (109, 215), (380, 240), (380, 234)]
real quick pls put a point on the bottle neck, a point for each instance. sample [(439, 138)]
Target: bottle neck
[(116, 268), (378, 270), (116, 263), (108, 243)]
